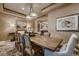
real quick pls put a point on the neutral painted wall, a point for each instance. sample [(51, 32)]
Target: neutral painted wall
[(7, 25), (36, 22), (62, 11)]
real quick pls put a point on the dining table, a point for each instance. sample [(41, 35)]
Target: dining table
[(49, 43)]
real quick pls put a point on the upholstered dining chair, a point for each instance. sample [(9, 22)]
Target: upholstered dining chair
[(66, 50), (27, 45), (46, 34), (18, 41)]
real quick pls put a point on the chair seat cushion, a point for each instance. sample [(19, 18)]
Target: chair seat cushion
[(28, 51), (63, 48)]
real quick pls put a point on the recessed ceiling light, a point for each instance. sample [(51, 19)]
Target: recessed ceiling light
[(22, 8)]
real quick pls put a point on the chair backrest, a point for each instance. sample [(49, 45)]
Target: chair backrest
[(27, 44), (46, 34), (26, 40), (19, 37), (71, 44)]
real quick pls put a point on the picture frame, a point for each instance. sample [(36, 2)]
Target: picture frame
[(69, 23), (44, 25)]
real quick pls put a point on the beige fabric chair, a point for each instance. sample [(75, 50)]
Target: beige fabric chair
[(46, 34), (65, 50)]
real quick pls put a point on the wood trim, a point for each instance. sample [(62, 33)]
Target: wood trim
[(12, 10), (48, 6), (41, 16)]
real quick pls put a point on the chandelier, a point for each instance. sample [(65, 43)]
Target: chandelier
[(31, 14)]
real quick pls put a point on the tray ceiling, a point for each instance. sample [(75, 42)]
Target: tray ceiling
[(24, 8)]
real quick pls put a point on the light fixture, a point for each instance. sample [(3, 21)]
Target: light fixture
[(12, 25), (28, 17), (23, 8), (32, 14)]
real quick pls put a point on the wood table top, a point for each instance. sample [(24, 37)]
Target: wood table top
[(46, 43)]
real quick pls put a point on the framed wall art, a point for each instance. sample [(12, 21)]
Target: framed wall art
[(69, 23), (44, 26)]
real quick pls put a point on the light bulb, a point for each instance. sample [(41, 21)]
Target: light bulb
[(33, 14), (28, 17), (12, 25)]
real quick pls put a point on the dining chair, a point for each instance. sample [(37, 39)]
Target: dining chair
[(66, 49), (46, 34), (18, 41), (27, 45)]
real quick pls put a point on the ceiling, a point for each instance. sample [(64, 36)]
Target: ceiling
[(24, 8)]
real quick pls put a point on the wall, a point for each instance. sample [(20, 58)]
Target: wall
[(1, 7), (7, 25), (29, 26), (36, 22), (62, 11)]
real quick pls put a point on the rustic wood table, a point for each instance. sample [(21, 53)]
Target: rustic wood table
[(46, 42)]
